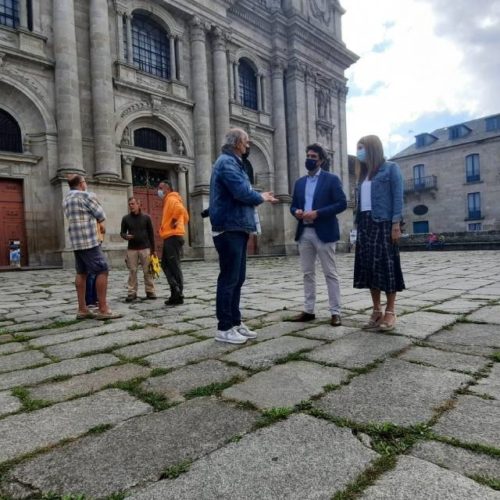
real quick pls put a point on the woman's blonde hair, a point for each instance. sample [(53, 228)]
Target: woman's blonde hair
[(374, 158)]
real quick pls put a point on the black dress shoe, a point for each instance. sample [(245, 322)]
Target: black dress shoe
[(335, 321), (302, 317), (173, 301)]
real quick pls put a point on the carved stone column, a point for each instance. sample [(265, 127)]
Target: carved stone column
[(173, 64), (237, 96), (130, 49), (259, 92), (102, 90), (231, 81), (69, 130), (221, 90), (201, 113), (297, 119), (180, 59), (127, 162), (279, 124), (311, 106), (182, 171)]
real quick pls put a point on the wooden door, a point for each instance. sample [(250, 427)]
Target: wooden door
[(12, 222)]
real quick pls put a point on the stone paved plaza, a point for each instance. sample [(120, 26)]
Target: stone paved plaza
[(151, 407)]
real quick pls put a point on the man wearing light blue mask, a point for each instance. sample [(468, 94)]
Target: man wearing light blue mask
[(317, 199)]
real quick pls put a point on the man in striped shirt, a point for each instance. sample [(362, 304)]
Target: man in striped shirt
[(85, 214)]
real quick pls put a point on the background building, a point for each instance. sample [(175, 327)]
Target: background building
[(452, 178), (129, 92)]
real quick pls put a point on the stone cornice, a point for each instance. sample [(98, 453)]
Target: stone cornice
[(25, 56), (253, 17)]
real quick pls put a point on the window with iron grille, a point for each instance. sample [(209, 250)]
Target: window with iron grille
[(149, 138), (10, 133), (9, 13), (248, 85), (475, 226), (150, 46), (472, 173), (474, 205)]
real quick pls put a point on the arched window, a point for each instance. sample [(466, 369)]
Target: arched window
[(149, 138), (10, 133), (151, 46), (9, 13), (248, 85)]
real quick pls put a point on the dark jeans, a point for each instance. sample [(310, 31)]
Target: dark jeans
[(232, 249), (171, 264)]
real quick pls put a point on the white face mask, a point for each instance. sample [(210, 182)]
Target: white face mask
[(161, 194)]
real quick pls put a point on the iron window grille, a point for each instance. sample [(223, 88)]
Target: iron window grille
[(9, 13), (149, 138), (248, 85)]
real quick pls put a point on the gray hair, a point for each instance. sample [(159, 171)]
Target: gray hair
[(233, 136)]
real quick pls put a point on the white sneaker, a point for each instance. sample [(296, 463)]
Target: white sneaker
[(243, 329), (231, 336)]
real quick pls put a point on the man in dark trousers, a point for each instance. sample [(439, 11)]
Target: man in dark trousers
[(137, 229), (317, 199)]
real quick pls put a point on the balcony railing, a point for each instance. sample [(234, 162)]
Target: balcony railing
[(474, 214), (421, 184), (473, 178)]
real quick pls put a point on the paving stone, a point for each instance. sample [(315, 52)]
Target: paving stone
[(145, 348), (486, 314), (286, 385), (441, 294), (446, 360), (173, 385), (265, 354), (101, 342), (326, 332), (136, 451), (472, 420), (473, 350), (470, 334), (458, 459), (8, 403), (27, 432), (69, 367), (358, 349), (396, 391), (11, 347), (6, 338), (181, 356), (489, 385), (24, 359), (292, 459), (457, 306), (277, 330), (88, 382), (421, 324), (414, 479), (84, 332)]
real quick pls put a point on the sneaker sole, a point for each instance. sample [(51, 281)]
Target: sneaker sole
[(231, 341), (254, 336)]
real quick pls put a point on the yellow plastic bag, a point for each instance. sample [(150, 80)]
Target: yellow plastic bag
[(154, 266)]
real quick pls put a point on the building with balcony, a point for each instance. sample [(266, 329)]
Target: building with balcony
[(452, 178), (130, 92)]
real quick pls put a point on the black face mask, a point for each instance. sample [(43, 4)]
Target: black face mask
[(246, 154)]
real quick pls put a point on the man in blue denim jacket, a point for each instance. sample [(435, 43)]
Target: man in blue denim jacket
[(232, 213)]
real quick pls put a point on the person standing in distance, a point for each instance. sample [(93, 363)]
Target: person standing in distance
[(172, 230), (137, 229), (317, 199), (232, 215)]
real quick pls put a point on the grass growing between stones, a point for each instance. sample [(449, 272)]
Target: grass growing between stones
[(176, 470), (271, 416), (28, 404), (496, 356), (133, 387), (487, 481), (99, 429), (213, 389), (476, 447)]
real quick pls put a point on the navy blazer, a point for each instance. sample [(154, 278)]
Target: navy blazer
[(329, 200)]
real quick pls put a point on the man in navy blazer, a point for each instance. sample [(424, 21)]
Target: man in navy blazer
[(317, 199)]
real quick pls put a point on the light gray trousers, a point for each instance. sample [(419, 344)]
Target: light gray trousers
[(310, 247)]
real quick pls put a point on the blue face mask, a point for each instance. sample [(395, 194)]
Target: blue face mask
[(161, 194), (311, 164), (361, 155)]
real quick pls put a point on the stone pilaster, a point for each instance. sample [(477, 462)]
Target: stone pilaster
[(120, 42), (127, 162), (259, 92), (236, 75), (173, 64), (23, 14), (297, 119), (130, 50), (340, 90), (69, 129), (180, 59), (311, 106), (102, 90), (182, 171), (201, 113), (279, 124), (221, 90)]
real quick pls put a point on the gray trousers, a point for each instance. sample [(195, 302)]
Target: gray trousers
[(310, 247)]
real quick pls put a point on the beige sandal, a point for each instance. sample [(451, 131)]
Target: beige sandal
[(387, 326), (374, 321)]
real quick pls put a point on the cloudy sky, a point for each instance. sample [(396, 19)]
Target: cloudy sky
[(424, 64)]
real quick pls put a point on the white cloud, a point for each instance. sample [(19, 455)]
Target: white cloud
[(419, 58)]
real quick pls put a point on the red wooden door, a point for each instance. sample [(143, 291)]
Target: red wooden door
[(12, 223), (152, 205)]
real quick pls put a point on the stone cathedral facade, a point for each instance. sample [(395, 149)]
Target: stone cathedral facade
[(129, 92)]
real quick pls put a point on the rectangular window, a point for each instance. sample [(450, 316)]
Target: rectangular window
[(9, 13), (472, 173), (475, 226), (493, 123), (421, 227), (474, 205), (418, 176)]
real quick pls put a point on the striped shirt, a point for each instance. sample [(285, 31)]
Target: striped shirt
[(82, 210)]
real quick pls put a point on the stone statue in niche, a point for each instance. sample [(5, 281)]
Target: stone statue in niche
[(181, 150), (322, 10), (322, 105), (126, 137), (26, 144)]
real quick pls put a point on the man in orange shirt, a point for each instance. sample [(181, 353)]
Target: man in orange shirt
[(172, 230)]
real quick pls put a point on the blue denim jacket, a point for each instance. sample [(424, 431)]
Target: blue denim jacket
[(232, 199), (387, 194)]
